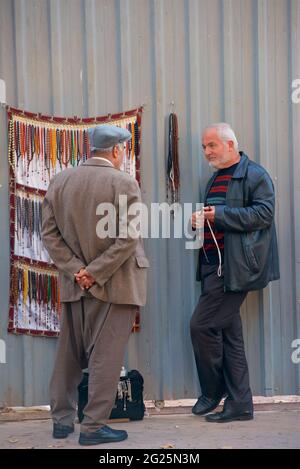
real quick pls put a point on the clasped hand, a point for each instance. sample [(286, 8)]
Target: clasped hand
[(84, 279)]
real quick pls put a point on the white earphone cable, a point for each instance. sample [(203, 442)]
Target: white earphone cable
[(219, 252)]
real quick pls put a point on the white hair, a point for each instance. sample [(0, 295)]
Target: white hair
[(102, 150), (225, 132), (105, 150)]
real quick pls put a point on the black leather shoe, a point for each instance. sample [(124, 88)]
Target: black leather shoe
[(205, 404), (229, 416), (102, 435), (62, 431)]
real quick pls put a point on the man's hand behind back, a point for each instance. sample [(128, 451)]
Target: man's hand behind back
[(84, 279)]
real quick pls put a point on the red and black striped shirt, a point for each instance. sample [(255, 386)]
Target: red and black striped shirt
[(216, 196)]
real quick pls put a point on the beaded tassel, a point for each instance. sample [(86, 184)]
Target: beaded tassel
[(28, 220), (39, 293), (173, 159), (50, 146)]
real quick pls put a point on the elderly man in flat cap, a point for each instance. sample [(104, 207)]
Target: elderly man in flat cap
[(102, 280)]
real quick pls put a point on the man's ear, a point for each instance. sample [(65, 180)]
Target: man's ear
[(231, 145), (115, 151)]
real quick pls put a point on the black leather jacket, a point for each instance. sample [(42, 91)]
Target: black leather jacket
[(250, 244)]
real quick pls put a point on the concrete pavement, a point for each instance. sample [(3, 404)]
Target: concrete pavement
[(269, 429)]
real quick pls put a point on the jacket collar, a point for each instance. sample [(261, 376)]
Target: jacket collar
[(97, 162), (241, 169)]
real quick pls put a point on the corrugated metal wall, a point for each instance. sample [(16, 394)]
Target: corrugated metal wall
[(217, 60)]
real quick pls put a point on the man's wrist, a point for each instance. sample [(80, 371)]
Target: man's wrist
[(83, 267)]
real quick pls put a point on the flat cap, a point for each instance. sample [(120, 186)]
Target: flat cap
[(106, 136)]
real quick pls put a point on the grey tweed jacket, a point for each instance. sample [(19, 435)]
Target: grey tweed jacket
[(69, 222)]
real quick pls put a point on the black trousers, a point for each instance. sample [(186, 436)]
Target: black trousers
[(217, 337)]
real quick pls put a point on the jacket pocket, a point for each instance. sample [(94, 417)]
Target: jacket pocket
[(142, 261), (251, 259)]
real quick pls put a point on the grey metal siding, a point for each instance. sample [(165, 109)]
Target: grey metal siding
[(216, 60)]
